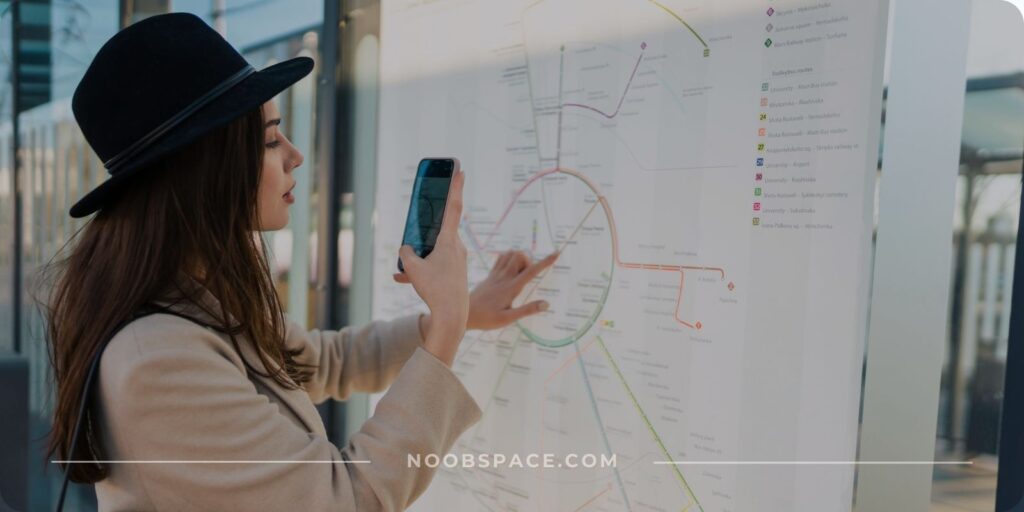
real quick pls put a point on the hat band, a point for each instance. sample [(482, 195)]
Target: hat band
[(119, 159)]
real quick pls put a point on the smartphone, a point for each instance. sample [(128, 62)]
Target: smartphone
[(427, 205)]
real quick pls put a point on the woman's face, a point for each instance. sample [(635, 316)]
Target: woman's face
[(280, 158)]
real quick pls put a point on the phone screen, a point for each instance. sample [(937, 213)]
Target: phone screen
[(426, 209)]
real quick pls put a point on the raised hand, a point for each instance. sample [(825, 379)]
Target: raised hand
[(490, 302), (441, 280)]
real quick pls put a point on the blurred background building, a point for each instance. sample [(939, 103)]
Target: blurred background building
[(45, 164)]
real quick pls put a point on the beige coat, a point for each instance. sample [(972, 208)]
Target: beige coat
[(170, 389)]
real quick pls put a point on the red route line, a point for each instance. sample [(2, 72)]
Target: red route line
[(569, 361), (591, 500), (682, 269), (679, 298), (577, 355), (621, 100)]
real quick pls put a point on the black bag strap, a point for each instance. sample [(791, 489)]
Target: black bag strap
[(90, 377)]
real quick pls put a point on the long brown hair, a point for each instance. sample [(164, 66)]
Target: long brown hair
[(192, 211)]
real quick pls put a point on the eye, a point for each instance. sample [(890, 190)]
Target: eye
[(273, 144)]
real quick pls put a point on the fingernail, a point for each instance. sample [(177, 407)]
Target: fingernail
[(543, 306)]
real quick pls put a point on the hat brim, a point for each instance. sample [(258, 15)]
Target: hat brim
[(241, 99)]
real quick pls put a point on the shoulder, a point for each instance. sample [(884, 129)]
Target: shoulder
[(163, 338)]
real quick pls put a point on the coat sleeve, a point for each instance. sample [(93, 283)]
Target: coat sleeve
[(365, 359), (174, 391)]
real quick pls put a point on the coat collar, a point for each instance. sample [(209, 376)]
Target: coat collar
[(193, 299), (190, 297)]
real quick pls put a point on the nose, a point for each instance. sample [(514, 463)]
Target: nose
[(297, 159)]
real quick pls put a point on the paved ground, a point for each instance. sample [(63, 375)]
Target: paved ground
[(965, 489)]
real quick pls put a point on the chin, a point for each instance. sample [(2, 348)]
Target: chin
[(278, 222)]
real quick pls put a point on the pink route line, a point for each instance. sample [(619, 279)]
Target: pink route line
[(615, 237), (621, 99)]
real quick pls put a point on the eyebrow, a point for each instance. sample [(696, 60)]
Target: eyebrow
[(272, 122)]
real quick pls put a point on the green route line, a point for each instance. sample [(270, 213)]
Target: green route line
[(533, 116), (512, 351), (547, 216), (561, 107), (476, 250), (558, 152), (497, 384), (529, 85), (655, 2), (647, 422), (681, 20), (600, 423), (561, 248), (593, 318), (476, 340), (515, 343)]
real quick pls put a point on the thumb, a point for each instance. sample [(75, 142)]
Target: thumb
[(530, 308), (411, 261)]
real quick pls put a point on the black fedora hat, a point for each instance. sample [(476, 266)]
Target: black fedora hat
[(160, 84)]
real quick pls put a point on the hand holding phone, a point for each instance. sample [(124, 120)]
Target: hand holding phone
[(429, 200), (439, 276)]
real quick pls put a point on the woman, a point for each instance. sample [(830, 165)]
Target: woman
[(214, 371)]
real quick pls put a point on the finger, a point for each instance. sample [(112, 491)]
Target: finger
[(519, 260), (400, 278), (534, 270), (453, 210), (410, 260), (502, 261), (530, 308)]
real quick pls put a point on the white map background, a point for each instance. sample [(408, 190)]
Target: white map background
[(624, 133)]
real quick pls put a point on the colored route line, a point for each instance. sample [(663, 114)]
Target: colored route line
[(647, 422), (578, 357), (568, 362), (600, 423), (660, 5), (568, 240), (575, 342), (590, 395), (529, 82), (591, 500), (478, 339), (497, 385), (658, 267), (479, 249), (561, 74), (680, 19), (529, 77), (621, 98)]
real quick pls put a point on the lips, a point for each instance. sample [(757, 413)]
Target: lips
[(288, 197)]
